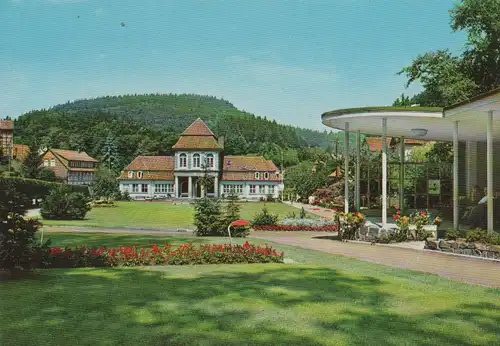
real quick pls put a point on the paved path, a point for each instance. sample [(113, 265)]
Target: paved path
[(471, 270)]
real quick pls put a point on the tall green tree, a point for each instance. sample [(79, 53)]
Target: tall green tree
[(110, 155), (32, 165)]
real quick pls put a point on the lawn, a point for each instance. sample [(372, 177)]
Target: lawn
[(158, 215), (322, 300)]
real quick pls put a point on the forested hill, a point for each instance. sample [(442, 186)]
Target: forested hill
[(150, 124)]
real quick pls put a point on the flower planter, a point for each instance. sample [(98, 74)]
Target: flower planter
[(429, 228)]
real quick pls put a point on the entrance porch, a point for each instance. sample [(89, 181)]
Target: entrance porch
[(190, 187)]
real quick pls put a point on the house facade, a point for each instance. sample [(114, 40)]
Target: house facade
[(73, 167), (199, 153), (6, 138)]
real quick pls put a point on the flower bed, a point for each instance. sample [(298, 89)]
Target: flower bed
[(292, 224), (292, 228), (57, 257)]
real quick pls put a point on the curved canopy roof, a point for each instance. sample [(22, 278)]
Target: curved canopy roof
[(402, 120)]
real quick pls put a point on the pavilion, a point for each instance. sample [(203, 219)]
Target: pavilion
[(473, 122)]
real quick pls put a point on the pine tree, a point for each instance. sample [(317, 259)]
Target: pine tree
[(110, 155), (32, 165)]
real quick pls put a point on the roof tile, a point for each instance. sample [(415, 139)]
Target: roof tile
[(197, 142), (151, 163), (198, 128), (6, 125), (248, 163), (71, 155)]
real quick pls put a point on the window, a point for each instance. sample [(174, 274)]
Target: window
[(210, 160), (196, 160), (257, 175), (271, 189), (164, 188), (46, 163), (139, 174), (126, 188), (52, 163), (266, 175), (262, 189), (183, 160), (227, 189), (135, 187), (131, 174), (144, 188), (253, 189), (238, 189)]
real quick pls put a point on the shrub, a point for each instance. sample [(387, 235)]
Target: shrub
[(349, 224), (63, 204), (296, 228), (155, 255), (264, 218), (104, 204), (482, 236), (451, 234), (17, 235), (302, 213), (35, 189)]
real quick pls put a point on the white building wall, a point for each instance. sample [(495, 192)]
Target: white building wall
[(127, 185), (246, 194)]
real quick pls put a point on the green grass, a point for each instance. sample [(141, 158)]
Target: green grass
[(323, 300), (158, 215)]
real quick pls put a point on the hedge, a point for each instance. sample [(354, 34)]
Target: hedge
[(35, 189)]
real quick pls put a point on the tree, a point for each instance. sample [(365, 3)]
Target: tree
[(110, 155), (449, 79), (32, 164), (232, 213), (47, 175), (105, 184), (17, 234), (207, 217)]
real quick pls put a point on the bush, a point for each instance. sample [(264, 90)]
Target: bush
[(232, 213), (451, 234), (57, 257), (482, 236), (63, 204), (35, 189), (104, 204), (349, 224), (264, 218), (297, 228), (17, 235)]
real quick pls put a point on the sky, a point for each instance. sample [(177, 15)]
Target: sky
[(285, 60)]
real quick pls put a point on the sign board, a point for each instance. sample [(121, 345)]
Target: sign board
[(434, 187)]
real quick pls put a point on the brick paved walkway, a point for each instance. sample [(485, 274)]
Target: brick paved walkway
[(471, 270)]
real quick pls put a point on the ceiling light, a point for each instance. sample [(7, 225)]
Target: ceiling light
[(418, 132)]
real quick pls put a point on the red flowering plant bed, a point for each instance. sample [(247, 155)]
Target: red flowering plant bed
[(291, 228), (57, 257)]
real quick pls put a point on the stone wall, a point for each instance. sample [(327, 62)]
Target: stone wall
[(463, 248)]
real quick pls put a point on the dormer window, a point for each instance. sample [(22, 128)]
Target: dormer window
[(257, 175), (183, 160), (196, 160), (131, 174), (139, 174), (266, 175)]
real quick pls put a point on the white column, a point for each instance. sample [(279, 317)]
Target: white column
[(190, 187), (216, 187), (471, 170), (176, 187), (489, 168), (384, 173), (455, 177), (401, 172), (346, 168), (358, 170)]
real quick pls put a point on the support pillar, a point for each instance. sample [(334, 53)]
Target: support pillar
[(471, 170), (176, 187), (384, 173), (358, 170), (216, 187), (190, 187), (456, 216), (489, 169), (401, 173), (346, 168)]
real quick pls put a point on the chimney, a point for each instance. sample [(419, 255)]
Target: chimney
[(220, 141)]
